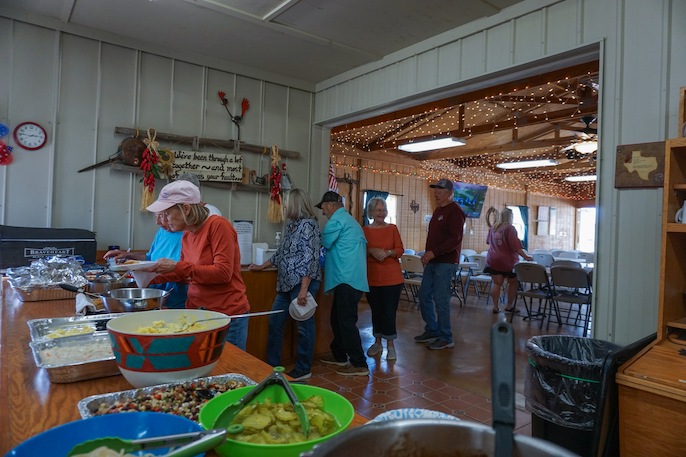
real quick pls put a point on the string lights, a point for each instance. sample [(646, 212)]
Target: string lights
[(487, 115)]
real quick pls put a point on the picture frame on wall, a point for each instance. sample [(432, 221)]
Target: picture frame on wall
[(640, 165)]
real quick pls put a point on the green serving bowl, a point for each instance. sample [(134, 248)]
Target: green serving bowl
[(334, 404)]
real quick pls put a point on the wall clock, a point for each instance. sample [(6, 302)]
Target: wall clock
[(30, 135)]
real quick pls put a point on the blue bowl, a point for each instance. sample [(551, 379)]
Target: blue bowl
[(61, 439)]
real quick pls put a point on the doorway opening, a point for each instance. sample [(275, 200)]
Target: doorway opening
[(585, 229)]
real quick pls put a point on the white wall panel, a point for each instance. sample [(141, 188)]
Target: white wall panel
[(677, 62), (499, 47), (75, 135), (34, 73), (188, 98), (6, 55), (114, 203), (562, 27), (156, 76), (449, 58), (529, 38), (427, 70), (473, 56), (407, 77)]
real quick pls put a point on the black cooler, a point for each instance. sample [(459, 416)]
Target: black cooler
[(19, 246)]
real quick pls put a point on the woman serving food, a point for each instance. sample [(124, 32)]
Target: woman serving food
[(210, 258)]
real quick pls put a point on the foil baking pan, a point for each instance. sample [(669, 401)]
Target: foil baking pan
[(75, 358), (89, 406), (46, 329)]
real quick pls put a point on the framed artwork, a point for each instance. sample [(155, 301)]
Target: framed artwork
[(640, 165), (553, 221)]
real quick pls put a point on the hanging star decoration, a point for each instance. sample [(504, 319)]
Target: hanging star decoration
[(245, 106)]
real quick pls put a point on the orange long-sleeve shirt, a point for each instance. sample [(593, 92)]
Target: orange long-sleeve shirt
[(211, 264), (387, 272)]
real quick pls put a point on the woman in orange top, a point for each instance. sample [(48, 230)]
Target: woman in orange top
[(210, 259), (385, 277)]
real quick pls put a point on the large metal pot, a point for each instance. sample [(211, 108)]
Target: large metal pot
[(101, 285), (429, 438), (129, 299)]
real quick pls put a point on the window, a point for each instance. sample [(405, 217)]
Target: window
[(585, 229), (391, 204)]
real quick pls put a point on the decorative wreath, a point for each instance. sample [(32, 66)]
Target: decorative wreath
[(492, 212)]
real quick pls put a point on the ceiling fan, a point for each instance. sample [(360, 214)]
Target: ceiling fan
[(586, 142)]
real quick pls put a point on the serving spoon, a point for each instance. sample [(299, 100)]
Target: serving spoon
[(263, 313), (197, 442)]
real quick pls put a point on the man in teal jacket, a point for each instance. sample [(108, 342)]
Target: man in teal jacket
[(345, 273)]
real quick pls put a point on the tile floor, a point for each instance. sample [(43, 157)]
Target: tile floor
[(456, 381)]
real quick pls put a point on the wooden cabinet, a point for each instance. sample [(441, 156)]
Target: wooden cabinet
[(261, 290), (652, 385)]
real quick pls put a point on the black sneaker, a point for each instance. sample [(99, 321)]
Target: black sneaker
[(299, 375), (350, 370), (331, 360), (425, 337), (438, 345)]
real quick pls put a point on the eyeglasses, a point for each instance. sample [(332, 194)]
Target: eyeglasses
[(166, 214)]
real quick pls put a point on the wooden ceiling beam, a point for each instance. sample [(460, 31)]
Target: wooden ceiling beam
[(579, 71), (462, 152), (528, 120)]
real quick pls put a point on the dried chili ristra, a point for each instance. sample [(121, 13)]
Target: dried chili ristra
[(149, 162)]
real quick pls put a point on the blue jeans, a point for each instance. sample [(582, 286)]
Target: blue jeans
[(238, 332), (306, 331), (434, 299)]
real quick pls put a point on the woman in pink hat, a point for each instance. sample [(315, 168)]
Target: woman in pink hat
[(210, 258)]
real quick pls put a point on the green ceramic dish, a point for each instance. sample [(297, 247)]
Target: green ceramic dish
[(334, 404)]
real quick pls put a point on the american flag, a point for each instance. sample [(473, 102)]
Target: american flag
[(333, 184)]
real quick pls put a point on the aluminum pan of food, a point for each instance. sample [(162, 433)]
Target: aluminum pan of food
[(58, 327), (181, 398), (75, 358)]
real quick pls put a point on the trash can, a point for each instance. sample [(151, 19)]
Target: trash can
[(563, 388)]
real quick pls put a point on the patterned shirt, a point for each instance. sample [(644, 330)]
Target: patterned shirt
[(298, 254)]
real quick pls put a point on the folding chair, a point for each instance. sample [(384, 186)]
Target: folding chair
[(480, 281), (412, 271), (572, 285), (535, 284)]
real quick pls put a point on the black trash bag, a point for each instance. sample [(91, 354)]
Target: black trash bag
[(564, 377)]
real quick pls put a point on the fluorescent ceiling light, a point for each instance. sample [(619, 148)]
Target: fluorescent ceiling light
[(438, 143), (581, 178), (527, 164), (586, 147)]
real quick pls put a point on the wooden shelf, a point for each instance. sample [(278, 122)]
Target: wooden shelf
[(679, 323), (652, 385), (675, 227), (196, 142)]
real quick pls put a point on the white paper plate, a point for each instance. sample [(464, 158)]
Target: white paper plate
[(131, 266), (412, 413), (300, 317)]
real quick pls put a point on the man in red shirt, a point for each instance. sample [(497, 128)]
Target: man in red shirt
[(443, 245)]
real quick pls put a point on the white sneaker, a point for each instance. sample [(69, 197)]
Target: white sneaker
[(374, 349), (390, 354)]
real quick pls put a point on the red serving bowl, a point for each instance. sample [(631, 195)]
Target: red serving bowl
[(146, 359)]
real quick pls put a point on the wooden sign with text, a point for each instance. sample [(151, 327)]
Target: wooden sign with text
[(209, 166)]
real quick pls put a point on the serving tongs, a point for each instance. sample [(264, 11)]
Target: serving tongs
[(277, 377), (194, 443)]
